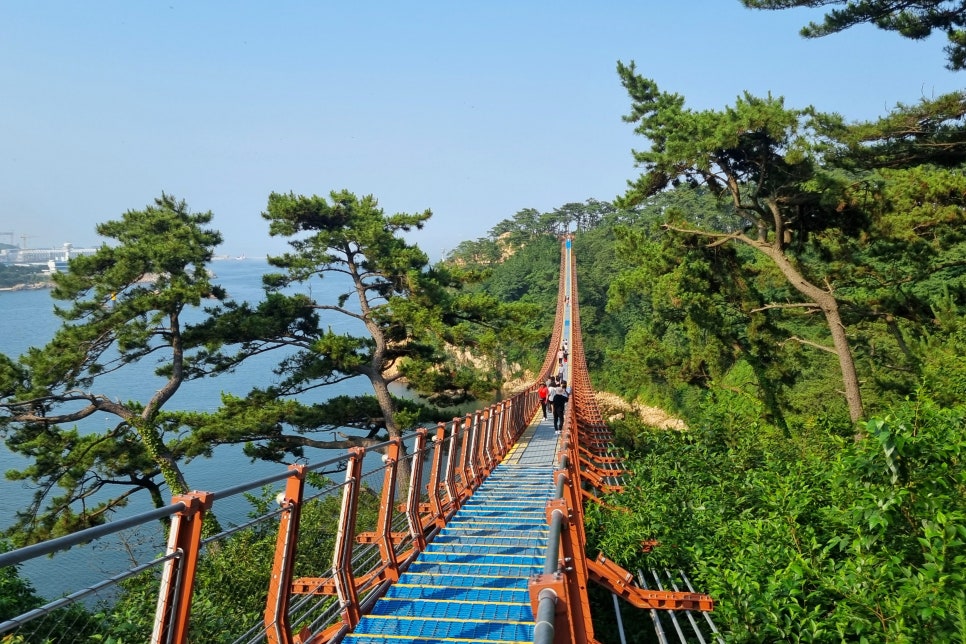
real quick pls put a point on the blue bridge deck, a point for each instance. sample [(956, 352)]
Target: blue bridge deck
[(470, 584)]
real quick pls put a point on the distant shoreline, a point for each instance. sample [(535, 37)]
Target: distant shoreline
[(26, 287)]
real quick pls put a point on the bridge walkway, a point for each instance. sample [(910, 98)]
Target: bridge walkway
[(470, 584)]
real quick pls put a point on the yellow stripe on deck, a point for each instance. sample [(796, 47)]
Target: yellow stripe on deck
[(436, 574), (512, 456), (521, 534), (454, 601), (482, 563), (409, 638)]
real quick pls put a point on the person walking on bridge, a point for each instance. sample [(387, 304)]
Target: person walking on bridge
[(558, 400), (543, 391)]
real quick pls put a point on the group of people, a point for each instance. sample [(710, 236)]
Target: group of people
[(554, 393), (562, 355)]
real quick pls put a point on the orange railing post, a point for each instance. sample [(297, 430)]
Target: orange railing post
[(515, 426), (387, 548), (416, 528), (466, 473), (499, 427), (554, 587), (476, 451), (574, 557), (506, 434), (277, 627), (173, 614), (435, 502), (488, 442), (450, 479), (342, 556)]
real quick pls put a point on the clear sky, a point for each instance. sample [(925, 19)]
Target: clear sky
[(472, 110)]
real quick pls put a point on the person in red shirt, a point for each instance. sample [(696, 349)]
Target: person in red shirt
[(542, 392)]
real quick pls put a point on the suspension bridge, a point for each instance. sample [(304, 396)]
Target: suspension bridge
[(471, 531)]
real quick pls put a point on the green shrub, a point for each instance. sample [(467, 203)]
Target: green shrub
[(816, 538)]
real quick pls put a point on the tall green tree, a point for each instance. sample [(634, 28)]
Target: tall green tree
[(905, 278), (520, 229), (492, 346), (765, 160), (692, 307), (932, 131), (480, 253), (915, 19), (397, 318), (123, 311), (581, 217), (904, 274), (397, 297)]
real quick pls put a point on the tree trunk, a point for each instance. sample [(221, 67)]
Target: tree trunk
[(162, 457), (381, 389), (830, 307)]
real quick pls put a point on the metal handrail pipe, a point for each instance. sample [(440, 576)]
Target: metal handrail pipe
[(561, 482), (324, 491), (251, 636), (544, 627), (564, 461), (66, 542), (672, 614), (369, 448), (551, 561), (244, 526), (688, 614), (304, 606), (274, 478), (280, 598)]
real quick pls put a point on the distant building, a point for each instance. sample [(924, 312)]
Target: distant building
[(43, 256)]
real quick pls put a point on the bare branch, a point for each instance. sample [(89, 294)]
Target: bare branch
[(338, 309), (720, 237), (812, 344), (791, 305), (344, 444)]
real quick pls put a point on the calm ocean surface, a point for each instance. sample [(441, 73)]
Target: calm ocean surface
[(28, 320)]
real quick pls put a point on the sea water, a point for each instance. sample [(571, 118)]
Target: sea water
[(28, 320)]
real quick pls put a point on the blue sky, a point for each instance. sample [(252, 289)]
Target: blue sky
[(474, 111)]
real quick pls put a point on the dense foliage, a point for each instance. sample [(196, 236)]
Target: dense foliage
[(519, 262), (818, 538)]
